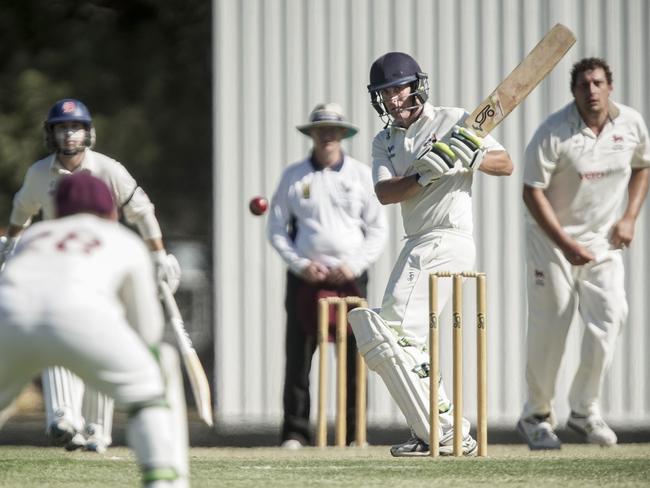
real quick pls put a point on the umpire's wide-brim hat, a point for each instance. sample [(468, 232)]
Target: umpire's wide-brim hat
[(328, 115)]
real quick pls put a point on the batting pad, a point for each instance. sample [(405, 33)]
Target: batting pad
[(403, 367), (97, 410), (62, 394)]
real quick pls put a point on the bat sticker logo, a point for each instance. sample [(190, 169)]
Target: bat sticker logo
[(483, 115)]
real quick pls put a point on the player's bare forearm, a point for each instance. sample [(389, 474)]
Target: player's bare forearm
[(14, 230), (155, 244), (637, 190), (397, 189), (496, 163), (623, 231), (542, 211)]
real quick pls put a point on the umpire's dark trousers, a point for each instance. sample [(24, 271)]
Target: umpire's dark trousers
[(300, 345)]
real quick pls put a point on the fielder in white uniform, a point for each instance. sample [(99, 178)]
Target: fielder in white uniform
[(423, 160), (78, 417), (79, 292), (585, 181)]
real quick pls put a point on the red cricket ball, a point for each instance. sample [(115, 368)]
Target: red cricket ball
[(258, 205)]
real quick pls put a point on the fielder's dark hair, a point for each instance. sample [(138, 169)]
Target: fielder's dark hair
[(588, 64)]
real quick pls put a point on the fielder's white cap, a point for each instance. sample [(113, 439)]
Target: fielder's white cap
[(328, 115)]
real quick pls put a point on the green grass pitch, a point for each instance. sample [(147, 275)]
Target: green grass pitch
[(575, 465)]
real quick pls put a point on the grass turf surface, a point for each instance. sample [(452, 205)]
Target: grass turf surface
[(513, 465)]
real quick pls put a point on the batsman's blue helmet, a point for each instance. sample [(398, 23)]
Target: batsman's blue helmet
[(396, 69), (68, 110)]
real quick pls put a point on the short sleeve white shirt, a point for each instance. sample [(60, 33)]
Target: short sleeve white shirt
[(584, 176), (38, 188), (444, 204)]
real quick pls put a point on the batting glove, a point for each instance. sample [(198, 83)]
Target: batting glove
[(434, 160), (467, 147), (167, 269)]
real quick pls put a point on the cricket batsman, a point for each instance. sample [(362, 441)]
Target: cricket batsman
[(423, 160)]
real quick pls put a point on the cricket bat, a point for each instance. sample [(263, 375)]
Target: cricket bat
[(521, 81), (195, 371)]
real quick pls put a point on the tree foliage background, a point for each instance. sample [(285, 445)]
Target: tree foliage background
[(142, 67)]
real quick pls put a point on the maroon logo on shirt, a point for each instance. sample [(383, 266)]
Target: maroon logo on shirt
[(594, 175), (539, 277), (618, 142), (79, 243)]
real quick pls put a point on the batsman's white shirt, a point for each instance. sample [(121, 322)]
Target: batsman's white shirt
[(40, 181), (445, 203), (437, 220), (585, 178), (339, 219), (80, 292)]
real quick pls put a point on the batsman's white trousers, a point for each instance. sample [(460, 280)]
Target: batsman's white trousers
[(405, 305), (405, 309), (556, 290)]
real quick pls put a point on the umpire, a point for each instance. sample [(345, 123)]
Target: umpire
[(328, 227)]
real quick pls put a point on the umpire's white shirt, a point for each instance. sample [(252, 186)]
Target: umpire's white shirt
[(337, 216), (37, 192)]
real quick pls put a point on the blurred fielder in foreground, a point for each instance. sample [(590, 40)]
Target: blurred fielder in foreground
[(426, 162), (585, 181), (80, 293), (70, 136)]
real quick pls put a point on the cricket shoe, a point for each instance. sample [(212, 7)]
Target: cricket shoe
[(538, 433), (447, 445), (415, 446), (94, 444), (78, 441), (95, 440), (292, 444), (593, 428), (60, 432)]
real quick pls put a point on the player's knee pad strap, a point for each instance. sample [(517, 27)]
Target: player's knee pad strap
[(154, 402), (402, 366)]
